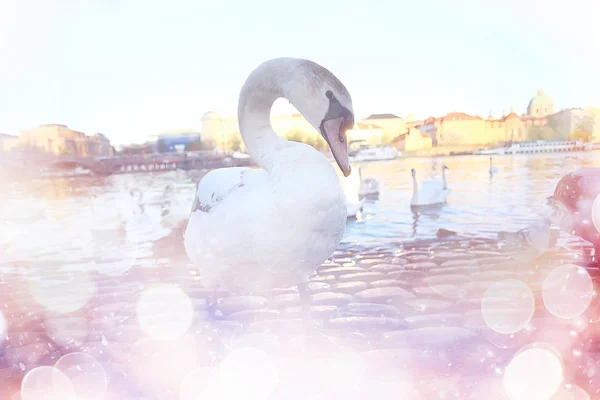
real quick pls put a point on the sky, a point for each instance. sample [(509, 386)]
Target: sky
[(133, 68)]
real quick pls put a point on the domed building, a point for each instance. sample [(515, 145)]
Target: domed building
[(540, 105)]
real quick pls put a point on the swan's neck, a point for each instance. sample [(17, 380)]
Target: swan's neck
[(262, 88), (415, 189), (444, 178)]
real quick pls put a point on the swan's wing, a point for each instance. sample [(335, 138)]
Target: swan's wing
[(219, 234), (219, 184), (430, 191)]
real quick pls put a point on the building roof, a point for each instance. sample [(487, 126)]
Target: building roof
[(512, 115), (101, 136), (383, 116), (539, 100), (460, 116), (50, 125)]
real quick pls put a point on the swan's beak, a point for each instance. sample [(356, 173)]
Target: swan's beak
[(334, 132)]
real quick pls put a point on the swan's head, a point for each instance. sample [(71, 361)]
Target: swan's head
[(326, 104), (445, 166), (413, 172)]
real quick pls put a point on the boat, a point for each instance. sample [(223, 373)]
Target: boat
[(373, 153), (237, 154), (46, 172), (538, 146)]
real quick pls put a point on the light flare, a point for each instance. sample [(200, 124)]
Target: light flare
[(567, 291), (201, 383), (86, 374), (508, 306), (248, 373), (60, 292), (3, 327), (165, 312), (596, 213), (47, 383), (535, 373)]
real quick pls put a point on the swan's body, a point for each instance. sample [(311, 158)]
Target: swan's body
[(431, 192), (253, 229)]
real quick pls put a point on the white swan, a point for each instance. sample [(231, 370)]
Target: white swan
[(369, 187), (251, 229), (493, 170), (176, 206), (431, 192)]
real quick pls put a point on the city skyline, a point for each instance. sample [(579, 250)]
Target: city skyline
[(131, 69)]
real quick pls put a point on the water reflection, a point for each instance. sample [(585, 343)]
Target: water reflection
[(430, 214)]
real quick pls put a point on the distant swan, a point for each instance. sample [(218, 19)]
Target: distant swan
[(493, 170), (369, 187), (253, 229), (431, 192)]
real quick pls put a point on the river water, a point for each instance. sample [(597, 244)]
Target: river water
[(122, 215)]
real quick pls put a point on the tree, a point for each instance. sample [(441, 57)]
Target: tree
[(584, 130), (581, 134), (207, 144), (542, 133), (295, 135), (235, 144)]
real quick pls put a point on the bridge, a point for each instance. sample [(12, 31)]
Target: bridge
[(47, 165)]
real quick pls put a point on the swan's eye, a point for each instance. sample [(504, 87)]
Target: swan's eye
[(329, 94)]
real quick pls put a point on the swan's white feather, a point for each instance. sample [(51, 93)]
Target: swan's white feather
[(219, 184), (252, 230)]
